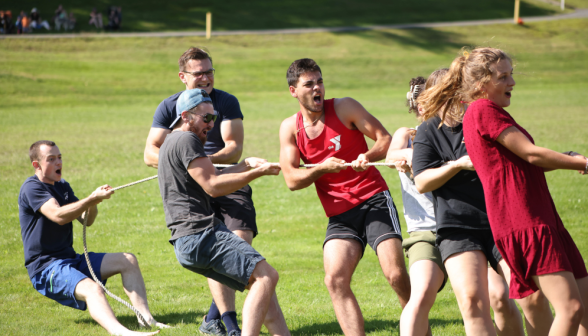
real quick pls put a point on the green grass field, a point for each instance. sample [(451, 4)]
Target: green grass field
[(96, 98), (141, 15)]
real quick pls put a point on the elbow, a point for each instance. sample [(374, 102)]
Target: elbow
[(420, 187), (293, 186), (148, 161), (533, 159)]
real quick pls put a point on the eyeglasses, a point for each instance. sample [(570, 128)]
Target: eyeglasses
[(207, 117), (199, 74)]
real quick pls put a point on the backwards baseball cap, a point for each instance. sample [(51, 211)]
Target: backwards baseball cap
[(188, 100)]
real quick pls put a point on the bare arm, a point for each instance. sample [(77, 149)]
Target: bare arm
[(67, 213), (219, 183), (434, 178), (354, 114), (232, 134), (295, 177), (399, 153), (155, 139), (515, 141)]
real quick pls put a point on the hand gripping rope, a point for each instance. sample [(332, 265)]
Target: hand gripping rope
[(139, 315)]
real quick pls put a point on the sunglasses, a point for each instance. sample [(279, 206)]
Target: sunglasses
[(207, 117)]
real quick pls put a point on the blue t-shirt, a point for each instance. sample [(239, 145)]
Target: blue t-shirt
[(44, 240), (225, 105)]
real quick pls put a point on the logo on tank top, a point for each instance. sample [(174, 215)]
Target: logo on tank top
[(337, 141), (66, 196)]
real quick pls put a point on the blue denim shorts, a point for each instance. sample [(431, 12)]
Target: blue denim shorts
[(219, 254), (58, 281)]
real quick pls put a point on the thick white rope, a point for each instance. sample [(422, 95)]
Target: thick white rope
[(311, 165), (139, 315)]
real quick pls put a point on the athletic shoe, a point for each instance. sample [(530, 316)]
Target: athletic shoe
[(235, 333), (213, 327)]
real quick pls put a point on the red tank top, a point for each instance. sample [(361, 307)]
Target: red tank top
[(341, 191)]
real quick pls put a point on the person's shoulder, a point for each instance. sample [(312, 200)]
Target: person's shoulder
[(171, 100), (31, 182), (288, 126), (221, 95)]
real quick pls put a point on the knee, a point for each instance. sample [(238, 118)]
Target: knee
[(264, 272), (131, 259), (574, 311), (473, 306), (398, 278), (499, 300), (336, 283), (93, 290)]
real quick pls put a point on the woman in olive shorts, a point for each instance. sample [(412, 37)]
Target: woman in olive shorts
[(427, 273)]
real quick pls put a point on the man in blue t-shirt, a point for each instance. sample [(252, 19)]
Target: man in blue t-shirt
[(47, 207), (224, 145)]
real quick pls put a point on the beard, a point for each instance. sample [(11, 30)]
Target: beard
[(311, 107), (197, 131)]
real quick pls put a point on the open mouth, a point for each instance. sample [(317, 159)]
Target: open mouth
[(508, 94), (317, 99), (58, 171), (203, 86)]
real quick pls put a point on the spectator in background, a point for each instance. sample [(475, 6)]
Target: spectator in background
[(113, 18), (22, 23), (6, 21), (60, 18), (96, 19), (36, 22), (71, 21)]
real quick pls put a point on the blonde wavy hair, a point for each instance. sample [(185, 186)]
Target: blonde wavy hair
[(461, 84)]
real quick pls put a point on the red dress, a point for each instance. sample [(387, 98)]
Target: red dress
[(526, 227), (344, 190)]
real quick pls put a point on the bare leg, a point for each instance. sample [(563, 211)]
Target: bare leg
[(340, 259), (262, 285), (583, 287), (507, 318), (538, 317), (425, 280), (127, 266), (91, 293), (274, 319), (392, 262), (562, 291), (468, 273), (537, 313)]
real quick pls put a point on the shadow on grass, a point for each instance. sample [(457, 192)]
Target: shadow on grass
[(424, 38), (370, 326), (171, 319)]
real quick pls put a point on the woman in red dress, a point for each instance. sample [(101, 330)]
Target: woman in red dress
[(526, 227)]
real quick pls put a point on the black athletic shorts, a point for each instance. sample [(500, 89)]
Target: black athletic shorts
[(455, 240), (236, 210), (370, 222)]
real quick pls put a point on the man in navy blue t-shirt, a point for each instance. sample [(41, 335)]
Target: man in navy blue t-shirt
[(224, 145), (47, 207)]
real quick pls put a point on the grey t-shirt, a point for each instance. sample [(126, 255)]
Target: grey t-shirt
[(186, 205)]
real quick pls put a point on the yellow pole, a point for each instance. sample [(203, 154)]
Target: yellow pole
[(209, 24), (516, 12)]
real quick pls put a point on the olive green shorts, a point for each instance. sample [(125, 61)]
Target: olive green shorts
[(421, 246)]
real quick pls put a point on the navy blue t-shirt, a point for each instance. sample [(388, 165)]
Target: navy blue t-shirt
[(44, 241), (225, 105)]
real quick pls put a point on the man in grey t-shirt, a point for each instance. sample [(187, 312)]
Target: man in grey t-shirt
[(202, 243)]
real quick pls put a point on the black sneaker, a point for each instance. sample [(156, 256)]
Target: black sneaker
[(235, 333), (213, 327)]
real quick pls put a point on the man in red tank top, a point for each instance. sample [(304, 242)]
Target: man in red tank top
[(357, 202)]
